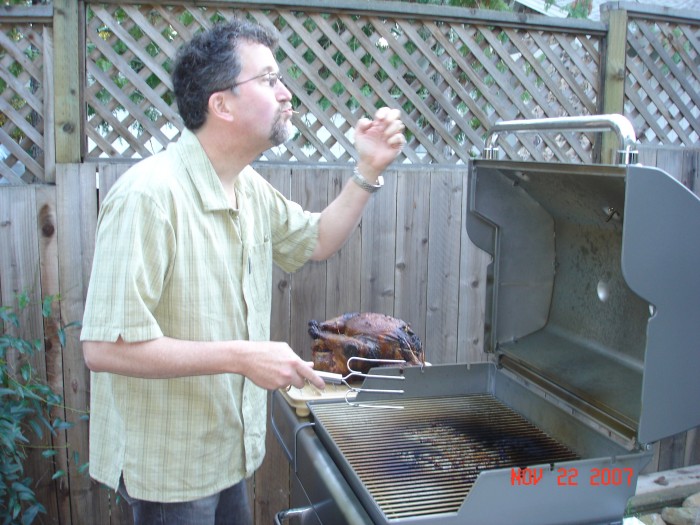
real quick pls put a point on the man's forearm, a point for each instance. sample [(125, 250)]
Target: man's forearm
[(269, 364), (161, 358)]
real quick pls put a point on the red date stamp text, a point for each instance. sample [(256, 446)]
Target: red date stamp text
[(569, 477)]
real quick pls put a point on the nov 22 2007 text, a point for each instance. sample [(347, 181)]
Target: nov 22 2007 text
[(569, 477)]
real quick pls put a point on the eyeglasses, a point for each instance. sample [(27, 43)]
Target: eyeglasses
[(271, 79)]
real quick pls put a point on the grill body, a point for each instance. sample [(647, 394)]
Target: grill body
[(424, 458), (593, 357), (542, 469)]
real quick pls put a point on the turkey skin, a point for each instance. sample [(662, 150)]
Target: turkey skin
[(368, 335)]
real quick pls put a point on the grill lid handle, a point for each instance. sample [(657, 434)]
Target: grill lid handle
[(627, 154)]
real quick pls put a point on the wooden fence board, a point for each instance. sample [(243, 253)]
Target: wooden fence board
[(378, 249), (48, 261), (20, 274), (472, 292), (412, 243), (647, 155), (443, 266), (692, 448), (344, 270), (18, 257), (67, 80), (76, 204), (671, 161), (689, 170), (49, 113), (108, 175), (309, 187), (671, 451)]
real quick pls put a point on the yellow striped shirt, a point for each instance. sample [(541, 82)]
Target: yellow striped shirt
[(173, 258)]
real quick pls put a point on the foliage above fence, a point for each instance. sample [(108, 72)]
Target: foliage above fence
[(454, 72)]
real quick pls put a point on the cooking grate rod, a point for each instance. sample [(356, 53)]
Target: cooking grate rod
[(426, 458)]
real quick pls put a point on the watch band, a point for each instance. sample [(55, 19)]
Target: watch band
[(363, 183)]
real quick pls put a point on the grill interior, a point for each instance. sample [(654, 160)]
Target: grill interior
[(425, 458)]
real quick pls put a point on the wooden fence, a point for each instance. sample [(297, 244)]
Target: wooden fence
[(410, 258), (67, 117)]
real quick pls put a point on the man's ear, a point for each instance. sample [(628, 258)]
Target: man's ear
[(220, 106)]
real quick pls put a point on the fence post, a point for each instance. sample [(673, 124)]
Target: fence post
[(614, 72), (67, 79)]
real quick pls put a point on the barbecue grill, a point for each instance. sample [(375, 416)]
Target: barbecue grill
[(592, 324)]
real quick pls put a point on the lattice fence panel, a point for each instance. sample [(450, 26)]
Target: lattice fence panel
[(662, 93), (131, 111), (451, 80), (22, 148)]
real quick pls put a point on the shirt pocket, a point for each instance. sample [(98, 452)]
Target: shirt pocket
[(257, 289)]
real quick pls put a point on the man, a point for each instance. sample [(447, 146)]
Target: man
[(176, 324)]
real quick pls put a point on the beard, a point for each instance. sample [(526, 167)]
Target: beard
[(281, 131)]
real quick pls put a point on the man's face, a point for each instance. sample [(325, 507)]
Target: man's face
[(264, 103)]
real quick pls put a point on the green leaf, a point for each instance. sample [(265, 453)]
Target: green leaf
[(31, 513), (36, 428), (46, 305), (26, 372), (8, 316), (62, 425), (23, 300)]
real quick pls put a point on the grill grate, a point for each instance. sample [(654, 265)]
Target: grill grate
[(424, 459)]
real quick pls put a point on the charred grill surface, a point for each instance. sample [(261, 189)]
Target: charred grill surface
[(425, 458)]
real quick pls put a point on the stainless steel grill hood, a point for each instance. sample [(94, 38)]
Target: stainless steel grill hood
[(595, 289)]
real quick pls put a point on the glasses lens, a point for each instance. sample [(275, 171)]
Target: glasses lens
[(273, 78)]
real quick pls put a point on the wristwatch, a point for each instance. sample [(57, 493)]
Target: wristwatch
[(358, 179)]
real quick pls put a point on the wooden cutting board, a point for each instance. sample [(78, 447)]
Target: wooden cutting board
[(299, 397)]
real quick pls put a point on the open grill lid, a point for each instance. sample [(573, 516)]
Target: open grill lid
[(594, 291)]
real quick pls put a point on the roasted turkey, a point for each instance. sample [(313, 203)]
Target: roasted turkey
[(369, 335)]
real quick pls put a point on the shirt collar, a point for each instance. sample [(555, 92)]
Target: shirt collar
[(201, 172)]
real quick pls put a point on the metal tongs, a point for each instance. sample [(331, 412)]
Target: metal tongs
[(338, 379)]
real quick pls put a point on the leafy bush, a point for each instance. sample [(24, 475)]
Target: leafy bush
[(25, 403)]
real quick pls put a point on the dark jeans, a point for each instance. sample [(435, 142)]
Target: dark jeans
[(228, 507)]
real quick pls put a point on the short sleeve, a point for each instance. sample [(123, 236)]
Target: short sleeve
[(294, 233), (133, 247)]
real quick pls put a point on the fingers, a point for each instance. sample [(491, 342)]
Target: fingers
[(385, 113), (393, 127), (363, 124), (273, 365), (312, 377), (301, 373), (394, 135), (389, 121)]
